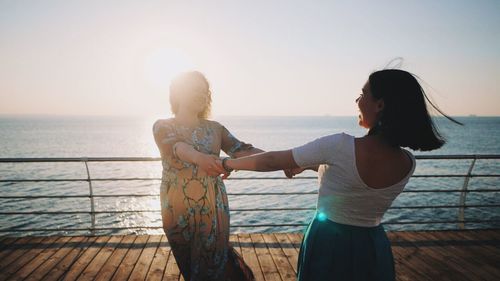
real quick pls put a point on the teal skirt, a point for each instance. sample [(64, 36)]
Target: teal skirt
[(335, 251)]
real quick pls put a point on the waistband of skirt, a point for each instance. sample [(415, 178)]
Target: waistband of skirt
[(322, 218)]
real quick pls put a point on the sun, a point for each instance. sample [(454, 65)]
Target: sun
[(163, 64)]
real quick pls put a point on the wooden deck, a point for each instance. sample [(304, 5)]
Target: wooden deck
[(443, 255)]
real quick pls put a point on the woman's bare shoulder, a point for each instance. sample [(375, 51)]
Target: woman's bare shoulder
[(214, 124), (162, 123)]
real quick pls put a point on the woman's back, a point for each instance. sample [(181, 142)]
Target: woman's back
[(350, 194), (378, 164)]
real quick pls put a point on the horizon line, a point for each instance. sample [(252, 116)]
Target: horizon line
[(211, 117)]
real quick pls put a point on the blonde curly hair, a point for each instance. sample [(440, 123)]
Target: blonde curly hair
[(187, 81)]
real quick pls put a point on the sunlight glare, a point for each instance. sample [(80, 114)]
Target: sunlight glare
[(163, 64)]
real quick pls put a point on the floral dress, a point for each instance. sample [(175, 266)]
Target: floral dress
[(194, 205)]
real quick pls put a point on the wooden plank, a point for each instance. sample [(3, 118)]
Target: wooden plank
[(494, 233), (289, 250), (472, 259), (141, 268), (233, 240), (401, 275), (6, 242), (113, 262), (486, 244), (476, 255), (249, 255), (128, 262), (53, 243), (407, 262), (85, 258), (281, 261), (79, 245), (93, 268), (26, 255), (266, 262), (160, 259), (441, 264), (32, 270), (13, 246), (172, 272), (60, 252), (296, 239), (428, 255)]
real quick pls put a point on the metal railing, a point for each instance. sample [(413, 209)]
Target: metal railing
[(461, 206)]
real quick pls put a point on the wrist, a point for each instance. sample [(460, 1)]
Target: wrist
[(226, 165)]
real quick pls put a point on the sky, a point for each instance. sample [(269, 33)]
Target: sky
[(271, 58)]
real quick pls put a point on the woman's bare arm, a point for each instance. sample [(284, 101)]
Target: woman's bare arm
[(187, 153), (247, 152), (264, 162)]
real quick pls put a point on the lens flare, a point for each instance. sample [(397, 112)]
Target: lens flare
[(321, 216)]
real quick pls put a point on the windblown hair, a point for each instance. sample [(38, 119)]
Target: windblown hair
[(187, 81), (405, 120)]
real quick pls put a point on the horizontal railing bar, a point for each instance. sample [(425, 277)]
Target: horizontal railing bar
[(404, 191), (77, 212), (407, 222), (451, 190), (236, 178), (457, 156), (393, 207), (446, 206), (145, 159), (79, 229), (237, 210), (240, 178), (78, 159), (48, 196), (232, 194), (438, 222)]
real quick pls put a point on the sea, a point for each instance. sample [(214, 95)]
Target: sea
[(128, 136)]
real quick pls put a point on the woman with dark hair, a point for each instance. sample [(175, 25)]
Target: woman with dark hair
[(359, 178), (194, 205)]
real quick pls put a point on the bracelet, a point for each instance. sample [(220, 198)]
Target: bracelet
[(229, 170)]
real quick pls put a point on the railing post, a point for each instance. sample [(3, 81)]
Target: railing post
[(91, 196), (463, 195)]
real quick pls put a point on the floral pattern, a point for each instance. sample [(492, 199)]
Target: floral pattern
[(194, 205)]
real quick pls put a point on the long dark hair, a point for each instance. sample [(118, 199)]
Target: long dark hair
[(404, 121)]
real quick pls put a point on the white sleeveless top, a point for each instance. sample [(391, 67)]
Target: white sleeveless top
[(343, 196)]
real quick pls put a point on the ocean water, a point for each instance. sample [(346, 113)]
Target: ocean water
[(65, 136)]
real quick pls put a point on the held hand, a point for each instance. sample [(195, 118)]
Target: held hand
[(290, 173), (225, 173), (208, 163)]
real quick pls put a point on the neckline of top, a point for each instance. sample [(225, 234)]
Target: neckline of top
[(355, 168), (200, 124)]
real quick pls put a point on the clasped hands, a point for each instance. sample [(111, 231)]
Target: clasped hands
[(212, 165)]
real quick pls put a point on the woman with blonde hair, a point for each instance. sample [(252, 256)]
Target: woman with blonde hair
[(194, 204)]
